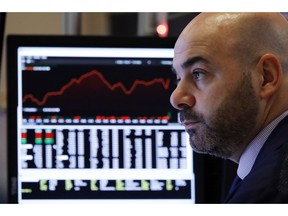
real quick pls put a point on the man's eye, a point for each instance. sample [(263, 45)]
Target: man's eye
[(197, 75)]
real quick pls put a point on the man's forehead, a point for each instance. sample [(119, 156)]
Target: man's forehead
[(208, 35)]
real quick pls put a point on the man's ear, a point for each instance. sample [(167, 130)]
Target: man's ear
[(271, 72)]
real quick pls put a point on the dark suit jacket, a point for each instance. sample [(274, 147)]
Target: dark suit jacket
[(267, 181)]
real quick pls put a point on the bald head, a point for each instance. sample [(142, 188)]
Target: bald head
[(246, 35)]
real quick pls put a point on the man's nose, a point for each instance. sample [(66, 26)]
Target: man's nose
[(182, 97)]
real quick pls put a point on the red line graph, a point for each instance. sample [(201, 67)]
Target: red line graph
[(102, 78)]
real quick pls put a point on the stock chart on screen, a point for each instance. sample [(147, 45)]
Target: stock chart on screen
[(95, 124)]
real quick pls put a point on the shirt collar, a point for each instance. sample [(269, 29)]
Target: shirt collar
[(249, 155)]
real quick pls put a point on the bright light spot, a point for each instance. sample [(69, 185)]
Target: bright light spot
[(162, 30)]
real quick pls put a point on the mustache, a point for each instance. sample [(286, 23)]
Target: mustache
[(189, 114)]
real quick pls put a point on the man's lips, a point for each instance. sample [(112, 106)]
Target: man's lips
[(190, 124)]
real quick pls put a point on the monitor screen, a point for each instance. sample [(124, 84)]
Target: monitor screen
[(89, 120)]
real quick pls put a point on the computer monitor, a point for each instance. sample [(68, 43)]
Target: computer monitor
[(89, 120)]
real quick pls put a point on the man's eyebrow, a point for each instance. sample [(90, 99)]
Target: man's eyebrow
[(189, 62)]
